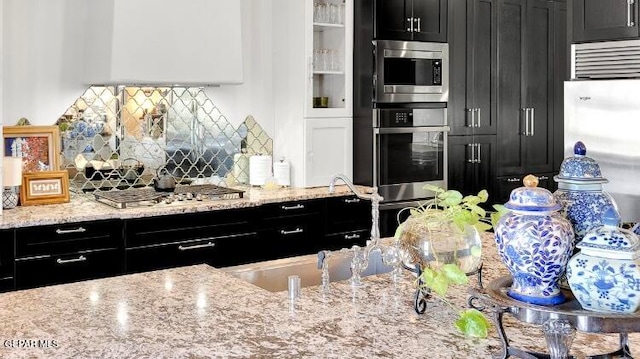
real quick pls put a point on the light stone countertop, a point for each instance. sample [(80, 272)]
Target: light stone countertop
[(201, 312), (83, 207)]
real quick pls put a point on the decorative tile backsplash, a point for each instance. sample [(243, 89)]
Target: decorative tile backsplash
[(118, 137)]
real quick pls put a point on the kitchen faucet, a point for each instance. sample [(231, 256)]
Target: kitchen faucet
[(360, 260)]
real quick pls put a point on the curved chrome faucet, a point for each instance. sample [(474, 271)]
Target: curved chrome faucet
[(359, 263)]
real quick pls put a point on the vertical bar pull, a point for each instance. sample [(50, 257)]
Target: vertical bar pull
[(526, 121), (478, 156), (410, 29), (472, 147), (533, 121), (479, 122), (630, 22), (472, 113), (418, 24)]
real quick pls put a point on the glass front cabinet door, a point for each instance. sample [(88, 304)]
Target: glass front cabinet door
[(329, 44)]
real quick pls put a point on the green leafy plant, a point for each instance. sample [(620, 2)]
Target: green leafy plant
[(449, 209)]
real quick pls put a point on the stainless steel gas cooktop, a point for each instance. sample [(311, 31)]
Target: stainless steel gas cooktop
[(137, 197)]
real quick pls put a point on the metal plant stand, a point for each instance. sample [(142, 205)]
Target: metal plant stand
[(559, 321), (423, 293)]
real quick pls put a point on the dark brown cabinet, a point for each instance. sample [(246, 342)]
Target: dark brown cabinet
[(6, 260), (472, 164), (348, 223), (596, 20), (417, 20), (65, 253), (218, 238), (527, 85)]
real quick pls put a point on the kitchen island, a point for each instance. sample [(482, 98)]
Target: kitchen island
[(200, 311)]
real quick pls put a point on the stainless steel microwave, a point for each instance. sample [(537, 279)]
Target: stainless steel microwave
[(409, 71)]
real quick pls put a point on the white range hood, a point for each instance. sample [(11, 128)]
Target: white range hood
[(163, 42)]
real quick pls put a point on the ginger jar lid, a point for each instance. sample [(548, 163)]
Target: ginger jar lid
[(609, 240), (580, 168), (532, 198)]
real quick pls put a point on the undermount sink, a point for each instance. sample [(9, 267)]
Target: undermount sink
[(273, 275)]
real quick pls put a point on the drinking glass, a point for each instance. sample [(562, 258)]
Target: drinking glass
[(322, 12), (317, 59), (333, 13)]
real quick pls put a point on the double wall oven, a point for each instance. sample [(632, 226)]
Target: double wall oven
[(408, 124)]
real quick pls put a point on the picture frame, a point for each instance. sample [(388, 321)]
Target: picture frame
[(38, 146), (47, 187)]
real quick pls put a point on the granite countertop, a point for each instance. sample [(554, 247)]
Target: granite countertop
[(202, 312), (83, 207)]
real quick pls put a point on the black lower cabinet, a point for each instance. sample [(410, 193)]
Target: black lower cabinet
[(66, 253), (6, 260), (291, 228), (66, 268), (348, 223), (218, 251)]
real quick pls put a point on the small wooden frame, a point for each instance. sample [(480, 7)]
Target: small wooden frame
[(39, 146), (44, 188)]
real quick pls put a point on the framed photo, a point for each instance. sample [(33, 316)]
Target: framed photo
[(44, 188), (38, 146)]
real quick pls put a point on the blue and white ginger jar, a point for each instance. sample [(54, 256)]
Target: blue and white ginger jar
[(580, 191), (605, 275), (535, 242)]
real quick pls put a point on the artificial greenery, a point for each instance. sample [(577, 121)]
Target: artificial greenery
[(450, 207)]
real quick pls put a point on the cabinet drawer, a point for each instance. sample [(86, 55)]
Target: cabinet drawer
[(65, 268), (6, 254), (6, 284), (294, 208), (347, 214), (68, 238), (171, 229), (337, 241), (292, 239), (216, 251)]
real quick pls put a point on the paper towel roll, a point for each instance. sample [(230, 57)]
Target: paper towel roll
[(281, 171), (241, 167), (259, 169)]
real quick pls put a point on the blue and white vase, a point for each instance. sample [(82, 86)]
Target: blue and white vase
[(580, 191), (605, 275), (535, 242)]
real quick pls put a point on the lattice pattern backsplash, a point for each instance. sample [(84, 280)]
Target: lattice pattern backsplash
[(118, 137)]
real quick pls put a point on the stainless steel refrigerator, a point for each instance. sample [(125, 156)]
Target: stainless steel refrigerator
[(605, 115)]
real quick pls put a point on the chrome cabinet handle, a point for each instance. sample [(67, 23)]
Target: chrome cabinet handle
[(295, 231), (65, 261), (478, 123), (473, 153), (526, 121), (352, 236), (478, 153), (543, 178), (418, 24), (297, 206), (471, 112), (196, 246), (533, 121), (352, 200), (630, 22), (515, 179), (67, 231), (410, 19)]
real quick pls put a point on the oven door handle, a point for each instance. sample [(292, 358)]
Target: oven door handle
[(412, 54), (398, 130)]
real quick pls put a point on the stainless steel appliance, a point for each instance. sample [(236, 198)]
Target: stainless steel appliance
[(605, 115), (409, 150), (410, 71), (137, 197)]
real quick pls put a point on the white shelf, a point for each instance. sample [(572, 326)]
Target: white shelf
[(328, 72), (320, 26)]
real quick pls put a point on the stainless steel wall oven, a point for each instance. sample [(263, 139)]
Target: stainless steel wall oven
[(409, 150), (407, 71)]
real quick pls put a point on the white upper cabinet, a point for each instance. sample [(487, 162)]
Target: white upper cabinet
[(164, 42), (329, 50)]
